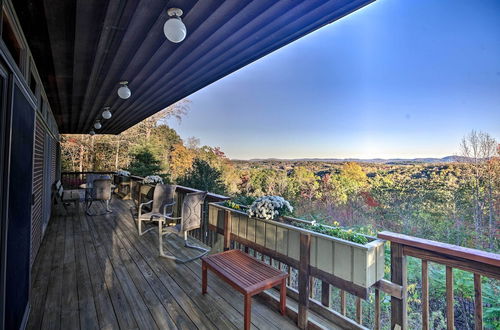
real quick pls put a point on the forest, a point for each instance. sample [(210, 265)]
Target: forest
[(456, 202)]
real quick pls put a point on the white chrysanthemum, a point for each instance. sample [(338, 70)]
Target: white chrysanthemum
[(122, 173), (269, 207), (152, 179)]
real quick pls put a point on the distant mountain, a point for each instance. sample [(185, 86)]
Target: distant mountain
[(447, 159)]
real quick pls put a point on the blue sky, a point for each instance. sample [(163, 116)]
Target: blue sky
[(395, 79)]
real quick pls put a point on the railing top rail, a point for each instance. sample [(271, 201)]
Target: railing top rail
[(211, 196), (89, 172), (489, 258)]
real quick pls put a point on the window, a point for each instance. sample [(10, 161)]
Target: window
[(10, 39), (33, 83)]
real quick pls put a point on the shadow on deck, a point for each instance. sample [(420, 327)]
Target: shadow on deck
[(96, 272)]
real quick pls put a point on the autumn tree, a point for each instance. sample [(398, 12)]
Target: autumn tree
[(180, 160)]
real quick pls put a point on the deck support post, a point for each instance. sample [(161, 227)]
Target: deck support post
[(399, 276), (304, 287)]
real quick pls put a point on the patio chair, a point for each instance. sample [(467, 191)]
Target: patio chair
[(190, 219), (66, 197), (100, 191), (161, 206)]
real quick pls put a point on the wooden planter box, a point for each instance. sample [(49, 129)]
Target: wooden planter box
[(361, 265)]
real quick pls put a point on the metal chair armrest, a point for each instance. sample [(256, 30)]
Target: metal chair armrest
[(165, 207), (142, 205), (172, 218)]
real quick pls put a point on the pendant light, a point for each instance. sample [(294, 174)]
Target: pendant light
[(97, 125), (174, 28), (124, 92), (92, 133), (106, 114)]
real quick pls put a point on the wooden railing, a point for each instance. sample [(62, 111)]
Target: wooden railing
[(307, 284), (313, 289), (479, 263), (72, 180)]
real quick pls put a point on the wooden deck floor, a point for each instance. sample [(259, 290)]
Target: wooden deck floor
[(95, 272)]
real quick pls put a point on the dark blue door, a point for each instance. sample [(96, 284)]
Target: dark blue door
[(19, 210)]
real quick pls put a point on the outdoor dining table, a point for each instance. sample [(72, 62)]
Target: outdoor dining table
[(88, 189)]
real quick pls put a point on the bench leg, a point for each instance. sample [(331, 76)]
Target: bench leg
[(248, 311), (203, 277), (283, 297)]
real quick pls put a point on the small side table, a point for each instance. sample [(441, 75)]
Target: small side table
[(246, 275)]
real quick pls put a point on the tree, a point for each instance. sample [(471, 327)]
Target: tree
[(144, 163), (303, 182), (479, 149), (203, 177), (181, 160)]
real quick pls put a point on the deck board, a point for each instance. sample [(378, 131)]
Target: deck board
[(95, 272), (41, 275), (86, 301), (69, 311)]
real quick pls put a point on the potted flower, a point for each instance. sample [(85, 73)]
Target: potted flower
[(152, 180), (345, 254), (146, 189), (269, 207), (122, 176)]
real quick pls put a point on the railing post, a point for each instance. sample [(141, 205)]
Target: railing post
[(325, 293), (450, 316), (343, 305), (204, 223), (227, 230), (399, 276), (304, 288), (377, 310), (425, 295), (478, 303)]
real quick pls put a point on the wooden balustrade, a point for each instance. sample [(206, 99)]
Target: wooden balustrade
[(72, 180), (303, 293), (480, 263)]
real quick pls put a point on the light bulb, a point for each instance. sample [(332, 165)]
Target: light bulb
[(106, 114), (174, 29), (97, 125), (124, 92), (92, 133)]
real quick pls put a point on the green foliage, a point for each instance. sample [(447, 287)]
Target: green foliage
[(244, 199), (232, 205), (204, 177), (144, 163), (338, 232)]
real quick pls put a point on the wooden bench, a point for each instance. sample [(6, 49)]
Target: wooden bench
[(245, 274)]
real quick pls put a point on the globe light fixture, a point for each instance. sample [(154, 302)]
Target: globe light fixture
[(124, 92), (174, 29), (97, 125), (92, 133), (106, 114)]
